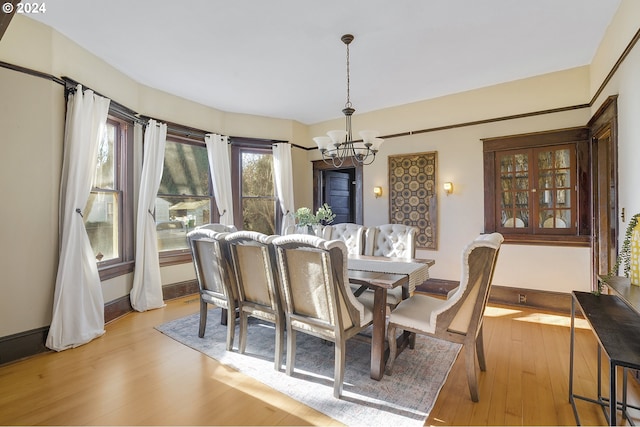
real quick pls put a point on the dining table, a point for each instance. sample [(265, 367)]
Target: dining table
[(380, 274)]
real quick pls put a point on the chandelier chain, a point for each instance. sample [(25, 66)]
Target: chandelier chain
[(348, 104)]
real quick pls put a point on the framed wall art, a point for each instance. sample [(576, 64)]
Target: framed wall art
[(412, 195)]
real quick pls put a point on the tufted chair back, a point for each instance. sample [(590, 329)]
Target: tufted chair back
[(351, 234), (391, 240)]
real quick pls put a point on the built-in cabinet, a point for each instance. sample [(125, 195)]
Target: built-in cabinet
[(537, 186)]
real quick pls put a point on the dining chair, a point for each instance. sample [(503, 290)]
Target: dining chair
[(216, 285), (317, 298), (351, 234), (391, 240), (459, 317), (255, 269)]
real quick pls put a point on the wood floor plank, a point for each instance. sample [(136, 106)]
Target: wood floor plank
[(134, 375)]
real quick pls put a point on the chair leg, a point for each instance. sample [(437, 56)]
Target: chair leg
[(231, 327), (393, 348), (338, 368), (480, 350), (412, 340), (470, 362), (279, 343), (203, 318), (244, 318), (291, 350)]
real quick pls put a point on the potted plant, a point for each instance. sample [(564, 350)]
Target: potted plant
[(307, 220)]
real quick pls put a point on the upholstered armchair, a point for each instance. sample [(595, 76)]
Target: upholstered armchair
[(351, 234), (459, 317), (317, 297), (391, 240), (215, 283), (253, 261)]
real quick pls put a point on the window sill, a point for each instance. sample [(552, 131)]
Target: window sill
[(547, 240), (114, 270), (168, 258)]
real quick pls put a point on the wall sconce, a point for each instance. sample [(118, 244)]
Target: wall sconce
[(377, 191), (448, 187)]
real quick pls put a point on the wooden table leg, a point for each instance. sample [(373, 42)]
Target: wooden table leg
[(377, 339)]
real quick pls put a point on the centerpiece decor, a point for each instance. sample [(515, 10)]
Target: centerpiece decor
[(306, 220)]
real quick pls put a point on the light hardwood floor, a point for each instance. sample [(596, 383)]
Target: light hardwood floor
[(134, 375)]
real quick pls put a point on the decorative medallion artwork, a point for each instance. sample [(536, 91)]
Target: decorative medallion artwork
[(412, 195)]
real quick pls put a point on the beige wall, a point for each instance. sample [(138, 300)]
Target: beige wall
[(32, 120)]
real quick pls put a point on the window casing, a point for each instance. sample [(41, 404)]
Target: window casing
[(537, 188), (256, 206), (108, 215)]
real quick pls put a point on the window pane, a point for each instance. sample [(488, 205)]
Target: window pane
[(176, 216), (259, 214), (102, 224), (257, 174), (104, 177), (186, 170)]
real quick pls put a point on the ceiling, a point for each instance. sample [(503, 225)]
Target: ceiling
[(285, 59)]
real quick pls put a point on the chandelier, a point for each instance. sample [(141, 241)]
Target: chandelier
[(338, 145)]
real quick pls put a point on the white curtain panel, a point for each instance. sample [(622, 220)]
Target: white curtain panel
[(220, 167), (78, 304), (283, 176), (138, 152), (146, 293)]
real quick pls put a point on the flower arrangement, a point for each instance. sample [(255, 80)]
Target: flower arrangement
[(306, 217)]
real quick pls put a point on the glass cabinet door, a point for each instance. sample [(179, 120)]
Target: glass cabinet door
[(554, 188), (514, 189)]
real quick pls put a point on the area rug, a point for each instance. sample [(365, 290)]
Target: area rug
[(402, 399)]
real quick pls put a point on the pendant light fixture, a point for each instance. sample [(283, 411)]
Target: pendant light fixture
[(338, 146)]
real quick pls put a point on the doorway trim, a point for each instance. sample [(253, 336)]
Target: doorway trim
[(319, 167), (603, 128)]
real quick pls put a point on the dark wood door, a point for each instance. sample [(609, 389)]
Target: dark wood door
[(338, 193), (331, 189)]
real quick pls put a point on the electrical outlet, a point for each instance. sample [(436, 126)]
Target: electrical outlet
[(522, 299)]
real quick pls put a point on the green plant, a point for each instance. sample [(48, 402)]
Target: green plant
[(323, 215), (305, 217), (624, 256)]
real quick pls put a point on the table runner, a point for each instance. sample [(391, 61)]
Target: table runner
[(417, 272)]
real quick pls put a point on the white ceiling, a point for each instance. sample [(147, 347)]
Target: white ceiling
[(284, 58)]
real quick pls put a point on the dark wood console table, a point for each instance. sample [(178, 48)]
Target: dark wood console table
[(616, 325)]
